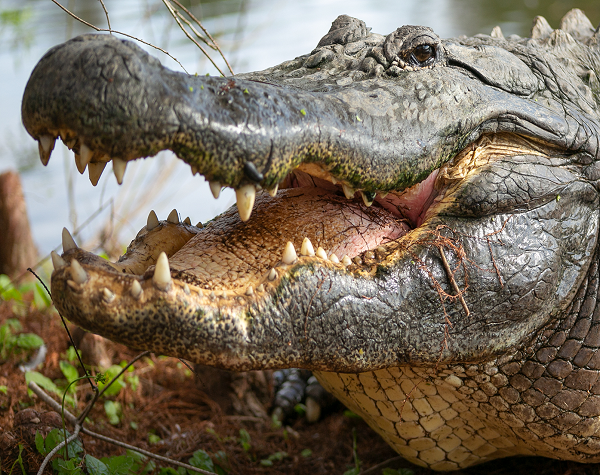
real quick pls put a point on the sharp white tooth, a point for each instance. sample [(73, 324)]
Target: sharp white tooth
[(273, 191), (173, 217), (71, 143), (82, 159), (136, 290), (199, 224), (107, 295), (162, 272), (245, 201), (119, 167), (260, 288), (321, 253), (152, 221), (272, 274), (57, 261), (187, 221), (383, 194), (74, 285), (95, 171), (45, 147), (195, 169), (63, 135), (346, 260), (348, 191), (186, 289), (289, 254), (77, 272), (249, 291), (365, 199), (215, 188), (333, 258), (380, 248), (67, 241), (307, 248), (333, 180), (212, 296)]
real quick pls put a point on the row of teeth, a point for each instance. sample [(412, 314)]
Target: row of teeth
[(162, 272), (245, 195)]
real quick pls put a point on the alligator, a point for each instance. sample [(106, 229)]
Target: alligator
[(450, 188)]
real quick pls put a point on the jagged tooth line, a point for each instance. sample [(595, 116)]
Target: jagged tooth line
[(162, 272), (119, 167), (289, 254), (187, 221), (45, 147), (260, 288), (68, 242), (272, 274), (273, 191), (85, 157), (152, 221), (245, 196), (173, 217), (249, 291), (307, 248), (333, 258), (57, 261), (346, 260), (95, 171), (215, 188), (78, 273), (186, 289), (365, 199)]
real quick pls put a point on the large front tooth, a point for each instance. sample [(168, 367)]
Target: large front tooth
[(162, 272), (45, 147), (215, 188), (245, 201), (289, 254), (173, 217), (83, 158), (307, 248), (152, 221), (57, 261), (95, 171), (348, 191), (119, 167), (136, 290), (79, 275), (67, 241)]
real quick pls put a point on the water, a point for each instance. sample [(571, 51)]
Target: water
[(254, 34)]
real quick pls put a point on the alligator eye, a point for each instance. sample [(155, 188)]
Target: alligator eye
[(424, 53)]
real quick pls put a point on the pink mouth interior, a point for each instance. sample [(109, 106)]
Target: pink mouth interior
[(229, 253)]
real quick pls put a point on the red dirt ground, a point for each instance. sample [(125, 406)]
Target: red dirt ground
[(206, 411)]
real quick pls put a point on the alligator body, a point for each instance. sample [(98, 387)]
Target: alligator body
[(449, 187)]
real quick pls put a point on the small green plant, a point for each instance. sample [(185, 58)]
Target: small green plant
[(14, 343), (356, 469), (276, 457), (245, 440), (8, 292)]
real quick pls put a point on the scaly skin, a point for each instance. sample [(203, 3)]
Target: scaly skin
[(465, 327)]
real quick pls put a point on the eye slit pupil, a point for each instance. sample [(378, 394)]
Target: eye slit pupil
[(423, 53)]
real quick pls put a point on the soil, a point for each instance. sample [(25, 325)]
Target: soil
[(202, 410)]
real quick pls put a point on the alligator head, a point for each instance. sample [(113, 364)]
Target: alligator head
[(450, 188)]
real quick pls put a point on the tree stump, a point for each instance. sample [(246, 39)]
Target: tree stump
[(17, 250)]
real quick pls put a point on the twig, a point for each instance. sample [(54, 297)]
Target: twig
[(206, 32), (176, 17), (62, 444), (453, 281), (73, 420), (106, 13), (94, 27)]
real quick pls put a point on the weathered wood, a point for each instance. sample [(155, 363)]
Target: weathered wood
[(17, 250)]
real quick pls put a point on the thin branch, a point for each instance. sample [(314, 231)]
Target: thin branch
[(206, 32), (176, 17), (106, 13), (77, 427), (94, 27), (453, 281)]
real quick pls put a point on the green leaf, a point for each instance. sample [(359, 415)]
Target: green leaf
[(245, 440), (69, 371), (116, 387), (42, 381), (306, 453), (69, 467), (95, 466), (41, 299), (29, 341), (113, 412), (3, 389), (201, 459), (153, 438), (119, 465), (266, 463), (167, 471), (39, 443), (352, 471)]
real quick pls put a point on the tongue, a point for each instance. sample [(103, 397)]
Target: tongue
[(231, 254)]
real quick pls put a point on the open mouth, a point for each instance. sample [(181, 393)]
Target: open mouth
[(311, 220)]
